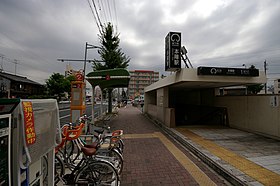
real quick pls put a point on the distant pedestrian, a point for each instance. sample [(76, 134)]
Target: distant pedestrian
[(142, 105)]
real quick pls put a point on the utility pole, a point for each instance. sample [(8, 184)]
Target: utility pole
[(2, 57), (265, 69), (85, 60), (15, 62)]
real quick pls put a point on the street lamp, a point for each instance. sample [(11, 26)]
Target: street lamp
[(88, 46)]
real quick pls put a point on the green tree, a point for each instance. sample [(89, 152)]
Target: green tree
[(68, 80), (57, 85), (110, 54), (254, 89)]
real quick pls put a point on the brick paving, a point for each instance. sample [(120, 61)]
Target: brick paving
[(147, 161)]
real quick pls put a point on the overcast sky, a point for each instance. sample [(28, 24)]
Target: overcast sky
[(216, 33)]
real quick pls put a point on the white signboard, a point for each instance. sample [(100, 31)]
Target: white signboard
[(274, 101)]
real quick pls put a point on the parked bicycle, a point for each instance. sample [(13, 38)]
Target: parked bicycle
[(95, 166), (89, 171), (104, 134), (105, 150)]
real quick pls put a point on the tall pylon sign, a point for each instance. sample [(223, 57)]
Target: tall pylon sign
[(78, 97), (173, 51)]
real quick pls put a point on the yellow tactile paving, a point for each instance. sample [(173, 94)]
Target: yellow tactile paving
[(200, 177), (126, 136), (253, 170)]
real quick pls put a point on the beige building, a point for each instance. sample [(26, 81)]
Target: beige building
[(189, 98), (69, 71), (139, 79), (277, 86)]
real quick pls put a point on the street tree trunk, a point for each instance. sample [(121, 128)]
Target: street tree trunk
[(110, 100)]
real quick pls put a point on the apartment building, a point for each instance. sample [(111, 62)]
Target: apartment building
[(139, 79)]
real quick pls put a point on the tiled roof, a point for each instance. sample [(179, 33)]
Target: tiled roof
[(18, 78)]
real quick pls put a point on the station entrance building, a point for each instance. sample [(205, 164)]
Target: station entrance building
[(188, 97)]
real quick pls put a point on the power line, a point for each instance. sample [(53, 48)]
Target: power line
[(94, 17), (109, 10), (101, 11), (104, 11), (116, 15), (16, 62), (97, 14)]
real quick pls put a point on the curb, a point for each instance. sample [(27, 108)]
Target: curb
[(198, 153)]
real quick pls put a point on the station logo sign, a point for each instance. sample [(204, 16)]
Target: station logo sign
[(218, 71), (173, 51)]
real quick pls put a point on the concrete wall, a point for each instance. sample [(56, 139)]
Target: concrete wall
[(164, 115), (259, 114), (160, 110)]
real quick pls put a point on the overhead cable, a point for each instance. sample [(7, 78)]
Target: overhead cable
[(116, 15), (109, 11), (97, 14), (102, 9), (94, 17)]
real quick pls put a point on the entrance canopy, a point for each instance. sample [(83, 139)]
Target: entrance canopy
[(112, 78), (191, 79)]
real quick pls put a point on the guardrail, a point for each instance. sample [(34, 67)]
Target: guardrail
[(62, 106)]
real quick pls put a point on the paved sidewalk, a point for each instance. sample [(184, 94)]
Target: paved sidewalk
[(151, 158), (247, 158), (241, 157)]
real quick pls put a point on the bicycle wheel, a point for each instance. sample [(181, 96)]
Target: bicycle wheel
[(113, 156), (70, 154), (77, 152), (118, 159), (119, 145), (59, 169), (97, 173), (68, 149)]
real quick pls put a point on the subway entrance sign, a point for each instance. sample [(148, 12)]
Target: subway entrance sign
[(218, 71), (173, 51)]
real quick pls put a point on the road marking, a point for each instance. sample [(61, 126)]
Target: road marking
[(253, 170), (200, 177)]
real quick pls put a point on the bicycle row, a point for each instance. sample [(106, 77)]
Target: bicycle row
[(92, 159)]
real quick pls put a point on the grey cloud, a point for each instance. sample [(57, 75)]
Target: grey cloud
[(42, 31)]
